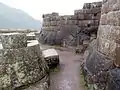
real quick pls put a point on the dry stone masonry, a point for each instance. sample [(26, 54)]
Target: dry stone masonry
[(88, 18), (21, 62), (102, 62), (68, 29)]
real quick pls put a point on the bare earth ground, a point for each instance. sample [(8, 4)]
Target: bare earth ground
[(68, 77)]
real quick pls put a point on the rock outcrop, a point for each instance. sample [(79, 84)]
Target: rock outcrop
[(21, 62), (72, 29)]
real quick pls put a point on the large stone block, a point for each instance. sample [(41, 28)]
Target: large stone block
[(88, 23), (53, 23), (31, 36), (107, 47), (92, 5), (103, 20), (109, 32), (46, 24), (110, 5), (87, 11), (95, 16), (13, 40), (108, 40), (51, 56), (80, 16), (114, 5), (21, 66), (105, 8), (112, 18)]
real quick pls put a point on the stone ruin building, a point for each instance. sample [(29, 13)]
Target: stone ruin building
[(102, 58), (72, 29), (21, 61)]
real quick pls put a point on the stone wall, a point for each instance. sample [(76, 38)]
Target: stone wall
[(101, 65), (21, 62), (88, 21), (68, 28)]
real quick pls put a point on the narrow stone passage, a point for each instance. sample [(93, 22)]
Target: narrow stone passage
[(68, 77)]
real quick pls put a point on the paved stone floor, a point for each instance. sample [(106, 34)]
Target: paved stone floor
[(68, 76)]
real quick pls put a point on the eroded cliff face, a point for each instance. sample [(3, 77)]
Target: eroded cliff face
[(21, 62), (101, 65), (70, 29)]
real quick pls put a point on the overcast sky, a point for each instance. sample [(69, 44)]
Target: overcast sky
[(36, 8)]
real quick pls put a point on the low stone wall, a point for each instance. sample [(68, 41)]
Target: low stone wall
[(17, 30)]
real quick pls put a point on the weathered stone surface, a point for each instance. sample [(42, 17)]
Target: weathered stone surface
[(41, 85), (51, 56), (31, 36), (95, 67), (13, 40), (101, 65), (37, 34), (112, 18), (58, 29), (92, 5), (105, 7), (85, 23), (88, 16), (21, 66), (88, 11), (110, 5), (114, 79), (108, 41), (51, 28)]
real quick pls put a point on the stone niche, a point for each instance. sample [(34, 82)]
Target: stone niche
[(21, 62)]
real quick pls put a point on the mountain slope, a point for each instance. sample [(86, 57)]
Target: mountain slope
[(15, 18)]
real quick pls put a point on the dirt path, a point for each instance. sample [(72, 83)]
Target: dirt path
[(68, 78)]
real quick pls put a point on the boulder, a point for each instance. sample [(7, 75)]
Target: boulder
[(51, 57)]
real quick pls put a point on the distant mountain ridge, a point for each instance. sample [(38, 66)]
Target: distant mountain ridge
[(15, 18)]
